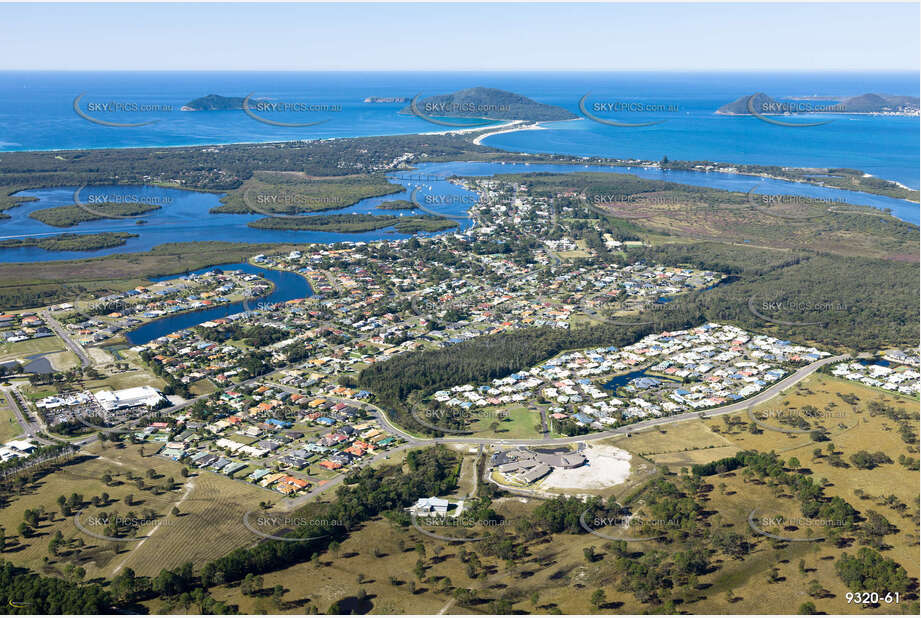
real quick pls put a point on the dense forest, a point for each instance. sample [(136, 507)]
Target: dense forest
[(70, 242), (853, 303), (29, 593), (291, 194), (353, 223), (68, 216)]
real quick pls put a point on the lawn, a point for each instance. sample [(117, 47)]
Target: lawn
[(21, 349), (519, 422), (9, 427)]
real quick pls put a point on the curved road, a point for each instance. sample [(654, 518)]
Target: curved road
[(739, 406), (414, 441)]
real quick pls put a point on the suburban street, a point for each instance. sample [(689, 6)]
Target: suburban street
[(60, 331)]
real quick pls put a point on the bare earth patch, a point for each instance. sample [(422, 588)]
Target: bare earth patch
[(606, 466)]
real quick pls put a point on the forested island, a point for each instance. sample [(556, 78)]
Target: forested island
[(213, 103), (353, 223), (70, 242), (397, 205), (68, 216), (490, 103), (293, 194), (869, 103)]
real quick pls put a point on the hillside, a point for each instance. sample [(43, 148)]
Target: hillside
[(869, 103), (488, 103), (213, 103)]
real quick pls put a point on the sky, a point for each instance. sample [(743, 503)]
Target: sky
[(459, 37)]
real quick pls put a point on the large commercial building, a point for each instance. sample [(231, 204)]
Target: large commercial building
[(129, 398)]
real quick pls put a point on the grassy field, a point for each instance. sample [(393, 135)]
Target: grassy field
[(555, 574), (9, 427), (20, 349), (208, 526), (519, 422), (126, 379)]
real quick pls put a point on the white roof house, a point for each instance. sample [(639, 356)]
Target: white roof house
[(435, 505)]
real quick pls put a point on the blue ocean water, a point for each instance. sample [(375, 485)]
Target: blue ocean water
[(36, 113)]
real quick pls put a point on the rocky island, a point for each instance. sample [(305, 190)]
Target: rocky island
[(214, 103), (490, 103), (869, 103)]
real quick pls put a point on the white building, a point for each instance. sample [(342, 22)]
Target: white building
[(428, 506), (129, 398)]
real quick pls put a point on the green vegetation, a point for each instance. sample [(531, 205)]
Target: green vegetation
[(355, 223), (7, 200), (858, 303), (490, 103), (367, 493), (70, 242), (397, 205), (30, 593), (870, 571), (292, 193), (839, 178), (633, 208), (213, 102), (67, 216), (34, 284)]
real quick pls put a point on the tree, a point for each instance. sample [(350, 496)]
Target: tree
[(807, 608), (277, 593), (598, 598)]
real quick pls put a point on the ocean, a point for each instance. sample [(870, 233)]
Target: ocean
[(36, 113)]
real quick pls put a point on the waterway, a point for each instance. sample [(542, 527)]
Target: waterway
[(288, 286)]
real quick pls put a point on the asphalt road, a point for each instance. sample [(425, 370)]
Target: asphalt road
[(60, 331), (414, 441), (765, 395)]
